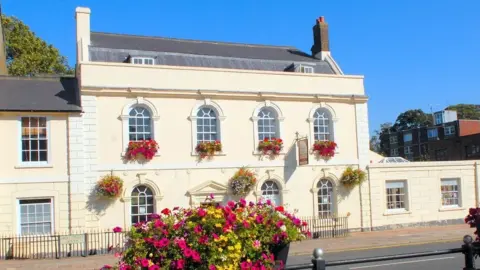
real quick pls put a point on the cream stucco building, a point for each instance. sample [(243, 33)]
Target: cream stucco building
[(181, 92)]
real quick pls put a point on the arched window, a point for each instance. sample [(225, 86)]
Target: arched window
[(207, 125), (139, 124), (322, 128), (325, 198), (267, 124), (270, 191), (142, 201)]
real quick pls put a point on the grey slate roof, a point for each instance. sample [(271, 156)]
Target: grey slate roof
[(47, 94), (180, 52)]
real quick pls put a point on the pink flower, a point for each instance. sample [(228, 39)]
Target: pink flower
[(280, 223), (164, 242), (269, 202), (231, 204), (117, 229), (202, 212), (118, 255), (211, 196), (259, 219), (198, 229), (158, 223), (196, 256), (243, 203), (106, 266), (246, 224), (245, 265), (203, 239), (154, 267), (212, 267), (187, 252), (144, 262), (180, 264), (215, 236), (256, 244), (181, 243)]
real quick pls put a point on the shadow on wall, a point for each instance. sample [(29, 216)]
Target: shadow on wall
[(343, 192), (98, 204), (290, 162)]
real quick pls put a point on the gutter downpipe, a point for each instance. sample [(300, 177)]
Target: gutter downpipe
[(69, 187), (477, 182), (370, 198)]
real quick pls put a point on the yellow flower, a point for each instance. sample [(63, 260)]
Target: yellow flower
[(217, 216), (220, 249), (203, 220), (238, 246), (230, 248), (218, 225)]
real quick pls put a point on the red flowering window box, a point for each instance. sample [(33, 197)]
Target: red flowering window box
[(141, 150), (325, 149), (208, 149), (271, 146)]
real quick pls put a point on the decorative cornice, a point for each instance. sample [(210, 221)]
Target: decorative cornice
[(220, 94)]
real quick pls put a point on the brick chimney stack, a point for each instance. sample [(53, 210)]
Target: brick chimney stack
[(3, 53), (321, 46)]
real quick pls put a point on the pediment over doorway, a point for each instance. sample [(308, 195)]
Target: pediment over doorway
[(207, 188)]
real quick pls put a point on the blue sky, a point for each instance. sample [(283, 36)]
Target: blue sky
[(413, 54)]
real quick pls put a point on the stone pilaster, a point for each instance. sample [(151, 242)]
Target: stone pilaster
[(90, 138)]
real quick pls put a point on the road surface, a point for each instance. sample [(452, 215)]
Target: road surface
[(441, 262)]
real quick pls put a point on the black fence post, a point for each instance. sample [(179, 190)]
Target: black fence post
[(318, 261), (469, 253)]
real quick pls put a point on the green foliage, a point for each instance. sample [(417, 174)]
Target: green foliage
[(27, 54), (466, 111), (412, 119)]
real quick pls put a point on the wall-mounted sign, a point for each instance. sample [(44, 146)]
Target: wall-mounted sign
[(302, 151)]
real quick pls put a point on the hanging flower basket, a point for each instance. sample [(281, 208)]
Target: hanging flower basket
[(238, 235), (110, 186), (141, 150), (271, 147), (242, 182), (324, 149), (208, 149), (351, 178)]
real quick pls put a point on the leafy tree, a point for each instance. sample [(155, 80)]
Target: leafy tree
[(466, 111), (27, 54), (412, 118)]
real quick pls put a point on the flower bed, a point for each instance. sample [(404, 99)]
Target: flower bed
[(208, 149), (271, 146), (351, 178), (109, 186), (242, 182), (324, 149), (141, 150), (235, 236)]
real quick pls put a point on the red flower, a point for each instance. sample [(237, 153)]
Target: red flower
[(279, 208), (138, 149), (166, 211), (271, 146), (208, 149), (117, 229), (324, 149)]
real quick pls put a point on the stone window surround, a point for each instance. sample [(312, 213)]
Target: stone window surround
[(271, 177), (125, 116), (193, 120), (255, 118), (388, 212), (314, 190), (127, 191)]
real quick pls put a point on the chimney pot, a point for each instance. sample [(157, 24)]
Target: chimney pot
[(321, 19)]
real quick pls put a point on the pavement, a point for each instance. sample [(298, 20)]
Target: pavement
[(357, 245)]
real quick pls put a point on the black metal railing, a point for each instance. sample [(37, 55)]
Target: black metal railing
[(60, 245), (327, 227), (470, 249)]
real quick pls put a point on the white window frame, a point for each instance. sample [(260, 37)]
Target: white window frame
[(220, 119), (146, 204), (125, 116), (152, 131), (19, 215), (406, 199), (406, 135), (255, 119), (449, 130), (143, 59), (459, 192), (258, 193), (393, 139), (394, 152), (430, 131), (409, 148), (304, 69), (41, 164)]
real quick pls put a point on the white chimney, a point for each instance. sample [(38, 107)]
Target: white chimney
[(82, 16)]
